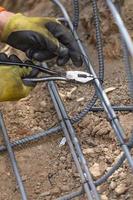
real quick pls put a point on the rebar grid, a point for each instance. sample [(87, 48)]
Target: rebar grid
[(88, 184)]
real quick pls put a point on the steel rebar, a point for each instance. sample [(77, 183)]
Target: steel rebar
[(12, 159), (31, 138), (72, 195), (70, 133), (121, 26)]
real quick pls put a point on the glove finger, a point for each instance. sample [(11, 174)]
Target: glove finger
[(46, 55), (77, 60), (28, 62), (30, 41), (66, 38), (4, 57), (40, 55), (62, 60), (23, 40), (34, 71), (14, 58)]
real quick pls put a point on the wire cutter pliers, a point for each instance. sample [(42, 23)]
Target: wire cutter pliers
[(70, 76)]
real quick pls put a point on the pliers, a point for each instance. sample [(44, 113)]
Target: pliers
[(69, 76)]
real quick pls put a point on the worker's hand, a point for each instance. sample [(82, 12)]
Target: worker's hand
[(41, 38), (12, 87)]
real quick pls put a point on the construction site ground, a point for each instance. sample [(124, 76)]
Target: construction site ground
[(47, 169)]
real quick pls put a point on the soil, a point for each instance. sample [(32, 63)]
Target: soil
[(47, 169)]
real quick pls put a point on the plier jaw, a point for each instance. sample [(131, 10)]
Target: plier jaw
[(79, 76)]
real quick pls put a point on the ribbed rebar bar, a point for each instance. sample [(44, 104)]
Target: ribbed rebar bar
[(121, 26), (75, 13), (72, 195), (116, 108), (31, 138), (12, 159), (99, 45), (69, 132), (126, 58)]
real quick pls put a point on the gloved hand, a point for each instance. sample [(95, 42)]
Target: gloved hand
[(41, 38), (12, 87)]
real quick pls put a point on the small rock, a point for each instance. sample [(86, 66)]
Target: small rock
[(38, 186), (56, 190), (37, 129), (123, 175), (8, 174), (103, 188), (80, 99), (128, 197), (69, 94), (37, 191), (110, 89), (24, 178), (43, 104), (113, 185), (88, 151), (62, 158), (121, 189), (63, 142), (104, 197), (39, 147), (44, 194), (64, 180), (63, 96), (97, 170), (84, 122), (76, 175), (65, 188)]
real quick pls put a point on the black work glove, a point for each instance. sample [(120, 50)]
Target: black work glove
[(42, 38)]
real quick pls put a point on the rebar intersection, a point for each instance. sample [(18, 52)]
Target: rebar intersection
[(88, 184)]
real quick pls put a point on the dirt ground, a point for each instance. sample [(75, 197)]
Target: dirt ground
[(47, 169)]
